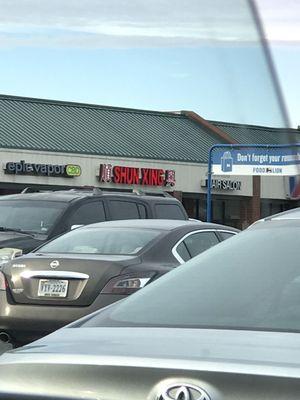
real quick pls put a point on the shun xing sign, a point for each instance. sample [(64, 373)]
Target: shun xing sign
[(136, 176)]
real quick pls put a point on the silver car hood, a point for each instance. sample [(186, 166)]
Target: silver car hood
[(243, 352)]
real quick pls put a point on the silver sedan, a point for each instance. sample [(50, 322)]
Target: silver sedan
[(226, 325)]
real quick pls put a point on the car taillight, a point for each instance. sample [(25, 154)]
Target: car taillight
[(127, 284), (3, 283)]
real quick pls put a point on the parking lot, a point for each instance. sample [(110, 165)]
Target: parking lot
[(149, 200)]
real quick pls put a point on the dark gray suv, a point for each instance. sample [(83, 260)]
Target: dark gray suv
[(27, 220)]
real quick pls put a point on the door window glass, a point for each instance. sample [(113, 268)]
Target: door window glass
[(88, 213), (226, 235), (168, 211), (123, 210), (183, 251), (199, 242)]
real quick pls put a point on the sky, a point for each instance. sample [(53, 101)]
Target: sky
[(281, 20), (169, 55)]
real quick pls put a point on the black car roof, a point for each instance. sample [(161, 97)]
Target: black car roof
[(69, 195), (161, 224)]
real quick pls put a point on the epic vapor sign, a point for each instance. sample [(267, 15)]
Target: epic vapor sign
[(55, 170), (256, 161)]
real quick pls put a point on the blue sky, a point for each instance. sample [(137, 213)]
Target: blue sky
[(287, 61), (144, 54)]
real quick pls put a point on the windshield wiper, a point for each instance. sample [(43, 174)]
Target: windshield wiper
[(27, 233)]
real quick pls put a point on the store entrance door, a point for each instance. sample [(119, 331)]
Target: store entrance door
[(227, 211)]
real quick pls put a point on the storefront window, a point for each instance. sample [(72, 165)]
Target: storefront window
[(272, 206), (227, 211)]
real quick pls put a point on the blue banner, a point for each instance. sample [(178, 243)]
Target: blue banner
[(256, 161)]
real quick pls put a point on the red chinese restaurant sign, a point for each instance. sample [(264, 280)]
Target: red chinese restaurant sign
[(136, 176)]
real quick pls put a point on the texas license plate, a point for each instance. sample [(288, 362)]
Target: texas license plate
[(53, 288)]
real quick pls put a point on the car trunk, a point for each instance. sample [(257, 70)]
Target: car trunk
[(69, 280), (142, 363)]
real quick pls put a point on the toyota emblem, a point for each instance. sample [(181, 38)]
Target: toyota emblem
[(54, 264), (183, 392)]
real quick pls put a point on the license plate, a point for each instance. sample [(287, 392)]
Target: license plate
[(53, 288)]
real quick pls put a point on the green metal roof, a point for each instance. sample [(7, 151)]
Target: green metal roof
[(258, 134), (90, 129), (57, 126)]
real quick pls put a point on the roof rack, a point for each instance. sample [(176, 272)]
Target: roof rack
[(29, 189), (98, 191), (141, 192), (93, 189)]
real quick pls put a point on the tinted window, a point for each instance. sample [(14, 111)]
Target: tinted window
[(251, 281), (30, 215), (183, 251), (88, 213), (123, 210), (225, 235), (168, 211), (120, 241), (199, 242)]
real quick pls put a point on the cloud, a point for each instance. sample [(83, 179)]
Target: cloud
[(281, 20), (143, 23), (123, 23)]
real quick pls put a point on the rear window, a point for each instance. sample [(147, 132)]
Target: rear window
[(117, 241), (169, 211)]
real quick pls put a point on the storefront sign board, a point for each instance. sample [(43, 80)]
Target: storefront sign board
[(136, 176), (54, 170), (256, 161), (223, 184)]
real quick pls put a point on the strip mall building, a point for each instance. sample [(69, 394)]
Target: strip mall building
[(52, 144)]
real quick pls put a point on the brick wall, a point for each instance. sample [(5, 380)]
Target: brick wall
[(250, 207)]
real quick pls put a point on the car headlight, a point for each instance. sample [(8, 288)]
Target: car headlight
[(9, 253)]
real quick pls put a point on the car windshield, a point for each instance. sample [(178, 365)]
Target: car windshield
[(30, 216), (117, 241), (230, 286)]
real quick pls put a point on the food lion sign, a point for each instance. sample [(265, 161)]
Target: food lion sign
[(274, 161)]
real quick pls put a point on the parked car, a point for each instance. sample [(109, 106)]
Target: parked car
[(93, 266), (28, 220), (225, 325)]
